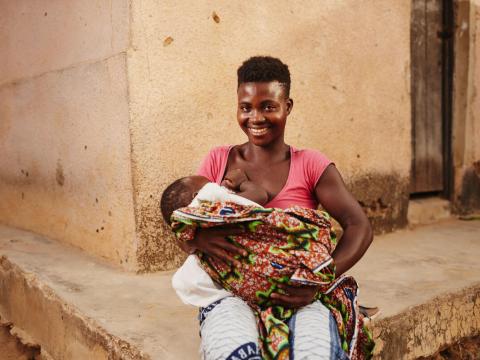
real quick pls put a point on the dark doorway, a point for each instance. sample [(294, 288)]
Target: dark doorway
[(432, 69)]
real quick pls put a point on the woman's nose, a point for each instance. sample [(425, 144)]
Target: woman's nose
[(257, 116)]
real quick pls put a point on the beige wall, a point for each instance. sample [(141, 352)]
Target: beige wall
[(65, 168), (104, 103), (350, 86), (473, 116), (466, 110), (48, 35)]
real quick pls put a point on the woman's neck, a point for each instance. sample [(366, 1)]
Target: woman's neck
[(266, 154)]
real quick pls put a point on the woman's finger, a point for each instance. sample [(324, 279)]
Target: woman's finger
[(231, 248), (225, 231), (225, 257), (296, 296), (301, 290), (285, 300)]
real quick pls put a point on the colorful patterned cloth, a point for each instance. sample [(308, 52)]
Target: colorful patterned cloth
[(284, 246)]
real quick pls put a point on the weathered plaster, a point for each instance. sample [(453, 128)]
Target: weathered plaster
[(423, 329), (44, 35), (65, 164), (156, 248), (466, 120), (351, 87), (384, 199)]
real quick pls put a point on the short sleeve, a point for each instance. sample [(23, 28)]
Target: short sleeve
[(213, 165), (315, 164)]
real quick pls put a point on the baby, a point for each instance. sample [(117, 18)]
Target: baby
[(182, 191), (284, 246)]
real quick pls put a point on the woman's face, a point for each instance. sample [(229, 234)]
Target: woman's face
[(262, 111)]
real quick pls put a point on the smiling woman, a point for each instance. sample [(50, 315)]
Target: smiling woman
[(290, 176), (262, 112)]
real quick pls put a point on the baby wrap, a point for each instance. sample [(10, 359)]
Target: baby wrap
[(284, 246)]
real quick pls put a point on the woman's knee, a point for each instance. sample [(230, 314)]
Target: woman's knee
[(314, 334), (229, 331)]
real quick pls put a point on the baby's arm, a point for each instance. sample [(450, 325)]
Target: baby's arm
[(237, 181)]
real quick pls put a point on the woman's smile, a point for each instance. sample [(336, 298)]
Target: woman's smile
[(258, 131), (262, 111)]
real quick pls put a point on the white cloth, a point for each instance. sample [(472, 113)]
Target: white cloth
[(229, 331), (191, 283)]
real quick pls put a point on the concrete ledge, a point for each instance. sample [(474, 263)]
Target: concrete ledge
[(58, 327), (423, 329), (75, 307), (425, 281)]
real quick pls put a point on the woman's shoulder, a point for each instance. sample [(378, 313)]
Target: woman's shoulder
[(213, 164), (220, 150), (310, 155), (310, 164)]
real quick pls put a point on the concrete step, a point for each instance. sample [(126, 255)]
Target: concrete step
[(425, 282), (428, 210)]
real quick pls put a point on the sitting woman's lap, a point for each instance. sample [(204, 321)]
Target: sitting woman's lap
[(229, 331)]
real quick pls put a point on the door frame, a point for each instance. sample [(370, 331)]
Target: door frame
[(446, 33), (448, 58)]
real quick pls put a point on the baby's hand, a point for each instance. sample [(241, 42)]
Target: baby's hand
[(234, 178)]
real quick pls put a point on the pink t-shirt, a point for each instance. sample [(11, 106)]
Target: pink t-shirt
[(306, 167)]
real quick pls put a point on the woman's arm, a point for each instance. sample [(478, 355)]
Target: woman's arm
[(357, 237), (338, 202)]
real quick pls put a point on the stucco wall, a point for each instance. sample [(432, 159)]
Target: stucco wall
[(64, 124), (47, 35), (350, 86), (475, 100), (466, 118)]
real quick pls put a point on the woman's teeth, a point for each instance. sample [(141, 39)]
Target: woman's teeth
[(258, 132)]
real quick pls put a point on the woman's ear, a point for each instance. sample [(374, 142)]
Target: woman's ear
[(289, 105)]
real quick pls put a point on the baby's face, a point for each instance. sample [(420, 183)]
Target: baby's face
[(195, 183)]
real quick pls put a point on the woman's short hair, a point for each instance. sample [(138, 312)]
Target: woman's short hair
[(264, 69)]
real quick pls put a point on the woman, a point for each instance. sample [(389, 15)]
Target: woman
[(290, 177)]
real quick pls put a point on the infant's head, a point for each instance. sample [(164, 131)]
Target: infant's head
[(180, 193)]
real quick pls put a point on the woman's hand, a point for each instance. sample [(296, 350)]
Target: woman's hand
[(213, 242), (295, 297)]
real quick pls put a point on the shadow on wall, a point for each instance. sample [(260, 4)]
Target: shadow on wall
[(384, 198), (468, 200)]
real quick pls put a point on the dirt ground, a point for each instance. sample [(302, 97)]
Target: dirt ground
[(465, 349)]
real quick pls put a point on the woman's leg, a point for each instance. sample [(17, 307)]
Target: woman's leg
[(314, 334), (229, 331)]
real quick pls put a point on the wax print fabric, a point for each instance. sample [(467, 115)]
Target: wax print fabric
[(291, 246)]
